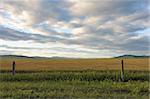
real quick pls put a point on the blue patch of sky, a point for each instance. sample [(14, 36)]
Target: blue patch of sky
[(67, 31), (145, 32)]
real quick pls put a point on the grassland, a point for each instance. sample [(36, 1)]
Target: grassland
[(74, 79), (75, 84), (75, 64)]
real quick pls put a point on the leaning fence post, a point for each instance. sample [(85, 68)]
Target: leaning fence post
[(122, 70), (13, 68)]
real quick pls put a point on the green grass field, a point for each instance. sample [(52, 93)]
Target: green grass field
[(74, 84)]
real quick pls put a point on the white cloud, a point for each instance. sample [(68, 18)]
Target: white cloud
[(105, 27)]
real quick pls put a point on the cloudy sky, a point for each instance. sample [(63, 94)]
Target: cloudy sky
[(74, 28)]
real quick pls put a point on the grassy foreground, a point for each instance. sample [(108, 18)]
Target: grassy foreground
[(74, 84)]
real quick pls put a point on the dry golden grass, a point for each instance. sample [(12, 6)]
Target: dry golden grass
[(75, 64)]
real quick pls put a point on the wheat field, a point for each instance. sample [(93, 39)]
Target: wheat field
[(75, 64)]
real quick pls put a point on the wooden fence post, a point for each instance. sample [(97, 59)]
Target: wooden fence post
[(13, 68), (122, 70)]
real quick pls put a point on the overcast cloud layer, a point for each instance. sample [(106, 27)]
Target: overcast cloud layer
[(74, 28)]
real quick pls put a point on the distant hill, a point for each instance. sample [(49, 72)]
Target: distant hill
[(132, 56), (16, 56), (35, 57)]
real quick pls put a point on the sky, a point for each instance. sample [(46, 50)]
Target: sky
[(74, 28)]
